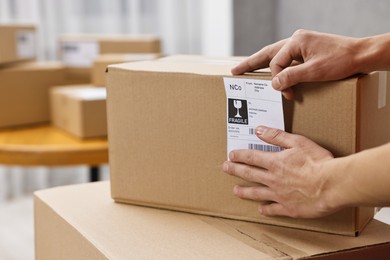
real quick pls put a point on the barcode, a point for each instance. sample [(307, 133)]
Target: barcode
[(252, 131), (264, 147)]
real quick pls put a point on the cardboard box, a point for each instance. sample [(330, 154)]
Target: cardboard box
[(102, 61), (17, 43), (187, 58), (165, 152), (79, 110), (82, 222), (79, 51), (24, 92), (77, 76)]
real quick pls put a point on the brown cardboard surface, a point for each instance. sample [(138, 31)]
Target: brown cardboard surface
[(9, 40), (76, 76), (79, 110), (374, 111), (24, 92), (82, 222), (231, 60), (102, 61), (153, 116), (130, 44)]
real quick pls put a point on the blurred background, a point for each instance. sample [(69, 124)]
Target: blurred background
[(215, 28)]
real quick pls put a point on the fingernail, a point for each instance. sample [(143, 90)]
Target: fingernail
[(235, 190), (260, 210), (260, 130), (231, 156), (276, 83), (225, 167)]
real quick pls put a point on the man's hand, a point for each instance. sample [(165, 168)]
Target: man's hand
[(307, 56), (291, 181)]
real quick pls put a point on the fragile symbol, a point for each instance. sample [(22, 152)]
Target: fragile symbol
[(237, 111), (237, 105)]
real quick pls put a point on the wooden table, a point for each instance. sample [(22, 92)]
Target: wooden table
[(45, 145)]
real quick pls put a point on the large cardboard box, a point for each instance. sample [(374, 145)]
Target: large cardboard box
[(79, 110), (82, 222), (24, 92), (17, 43), (102, 61), (167, 125)]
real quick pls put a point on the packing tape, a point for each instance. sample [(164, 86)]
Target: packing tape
[(382, 87)]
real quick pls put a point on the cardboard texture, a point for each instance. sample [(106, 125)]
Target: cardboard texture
[(102, 61), (82, 222), (164, 152), (79, 110), (24, 92), (17, 43)]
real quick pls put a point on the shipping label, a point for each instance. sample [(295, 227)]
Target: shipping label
[(250, 103), (26, 44), (79, 54)]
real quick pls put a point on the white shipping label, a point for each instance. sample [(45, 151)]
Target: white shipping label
[(79, 54), (250, 103), (26, 44)]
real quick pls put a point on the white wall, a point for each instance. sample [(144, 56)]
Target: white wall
[(260, 22), (217, 27), (254, 25), (348, 17)]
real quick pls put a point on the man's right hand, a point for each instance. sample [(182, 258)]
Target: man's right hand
[(307, 56)]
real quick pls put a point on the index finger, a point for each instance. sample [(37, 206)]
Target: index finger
[(253, 157), (259, 60)]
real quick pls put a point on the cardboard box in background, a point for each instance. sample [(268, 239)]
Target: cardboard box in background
[(24, 92), (103, 60), (76, 76), (80, 50), (82, 222), (79, 110), (186, 58), (165, 152), (17, 43)]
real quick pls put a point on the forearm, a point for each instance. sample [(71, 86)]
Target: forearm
[(361, 179), (374, 53)]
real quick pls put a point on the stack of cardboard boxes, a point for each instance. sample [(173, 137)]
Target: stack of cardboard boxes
[(28, 92), (81, 109), (167, 126), (79, 51), (24, 82)]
